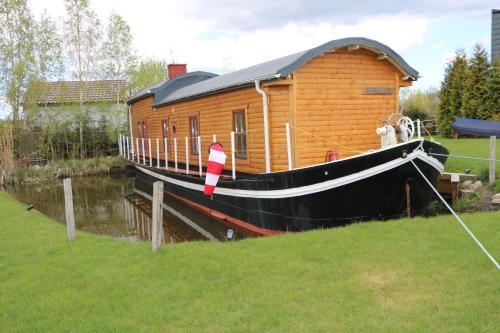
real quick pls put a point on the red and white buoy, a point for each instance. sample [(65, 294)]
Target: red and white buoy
[(216, 161)]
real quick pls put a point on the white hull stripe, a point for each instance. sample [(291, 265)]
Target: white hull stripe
[(308, 189)]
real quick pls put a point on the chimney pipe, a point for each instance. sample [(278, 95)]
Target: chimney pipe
[(176, 69)]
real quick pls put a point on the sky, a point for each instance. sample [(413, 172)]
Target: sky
[(225, 35)]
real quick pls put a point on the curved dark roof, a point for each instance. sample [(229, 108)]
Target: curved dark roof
[(279, 68), (393, 57), (166, 87)]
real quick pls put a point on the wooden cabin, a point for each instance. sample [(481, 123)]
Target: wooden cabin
[(333, 98)]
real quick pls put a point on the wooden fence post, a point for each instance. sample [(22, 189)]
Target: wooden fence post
[(493, 143), (157, 228), (68, 204)]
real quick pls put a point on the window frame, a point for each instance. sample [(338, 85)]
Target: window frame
[(236, 112), (193, 148)]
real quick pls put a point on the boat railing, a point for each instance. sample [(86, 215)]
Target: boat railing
[(140, 152)]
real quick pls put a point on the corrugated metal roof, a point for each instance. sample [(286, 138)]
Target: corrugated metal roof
[(163, 89), (64, 92), (280, 67)]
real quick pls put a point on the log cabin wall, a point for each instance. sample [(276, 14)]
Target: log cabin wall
[(331, 110), (215, 117)]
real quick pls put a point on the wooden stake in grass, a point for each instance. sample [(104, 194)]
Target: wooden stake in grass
[(493, 143), (70, 215), (157, 228)]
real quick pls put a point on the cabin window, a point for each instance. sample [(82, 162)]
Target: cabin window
[(240, 134), (142, 132), (194, 132), (166, 133)]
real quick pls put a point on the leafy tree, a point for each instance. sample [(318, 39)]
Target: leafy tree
[(82, 28), (420, 104), (476, 89), (494, 90), (117, 50), (16, 52), (450, 96), (147, 73)]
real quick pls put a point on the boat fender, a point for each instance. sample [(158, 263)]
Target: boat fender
[(405, 154), (332, 155)]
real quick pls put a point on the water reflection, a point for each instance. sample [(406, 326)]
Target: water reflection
[(119, 207)]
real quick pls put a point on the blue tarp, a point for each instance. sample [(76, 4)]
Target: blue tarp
[(476, 127)]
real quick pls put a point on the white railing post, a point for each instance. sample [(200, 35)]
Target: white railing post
[(138, 150), (157, 153), (199, 156), (419, 135), (120, 144), (150, 152), (128, 148), (143, 152), (214, 138), (124, 147), (288, 146), (175, 153), (186, 139), (233, 155), (492, 164), (166, 153), (132, 148)]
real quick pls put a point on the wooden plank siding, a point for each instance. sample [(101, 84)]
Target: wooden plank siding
[(331, 110), (215, 117), (323, 101)]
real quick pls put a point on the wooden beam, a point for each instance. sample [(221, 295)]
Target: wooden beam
[(285, 82), (68, 207), (352, 48), (157, 216)]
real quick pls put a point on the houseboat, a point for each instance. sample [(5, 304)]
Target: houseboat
[(314, 139)]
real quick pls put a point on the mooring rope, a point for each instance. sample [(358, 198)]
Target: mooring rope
[(466, 157), (458, 218)]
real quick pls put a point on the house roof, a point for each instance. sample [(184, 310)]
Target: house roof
[(165, 88), (65, 92), (280, 68)]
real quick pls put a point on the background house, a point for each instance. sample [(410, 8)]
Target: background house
[(53, 115)]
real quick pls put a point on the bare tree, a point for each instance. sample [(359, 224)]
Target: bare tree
[(82, 36)]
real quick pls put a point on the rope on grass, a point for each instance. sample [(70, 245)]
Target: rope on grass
[(458, 218), (466, 157)]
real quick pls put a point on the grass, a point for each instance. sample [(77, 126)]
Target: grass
[(468, 147), (413, 276)]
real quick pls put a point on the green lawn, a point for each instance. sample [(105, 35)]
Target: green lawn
[(402, 276), (468, 147)]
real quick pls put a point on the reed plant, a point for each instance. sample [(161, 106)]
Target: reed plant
[(63, 169)]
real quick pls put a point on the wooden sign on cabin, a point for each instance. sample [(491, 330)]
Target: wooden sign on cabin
[(378, 91)]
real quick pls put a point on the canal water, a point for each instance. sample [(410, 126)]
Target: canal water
[(121, 208)]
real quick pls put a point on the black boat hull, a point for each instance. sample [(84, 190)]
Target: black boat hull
[(364, 187)]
